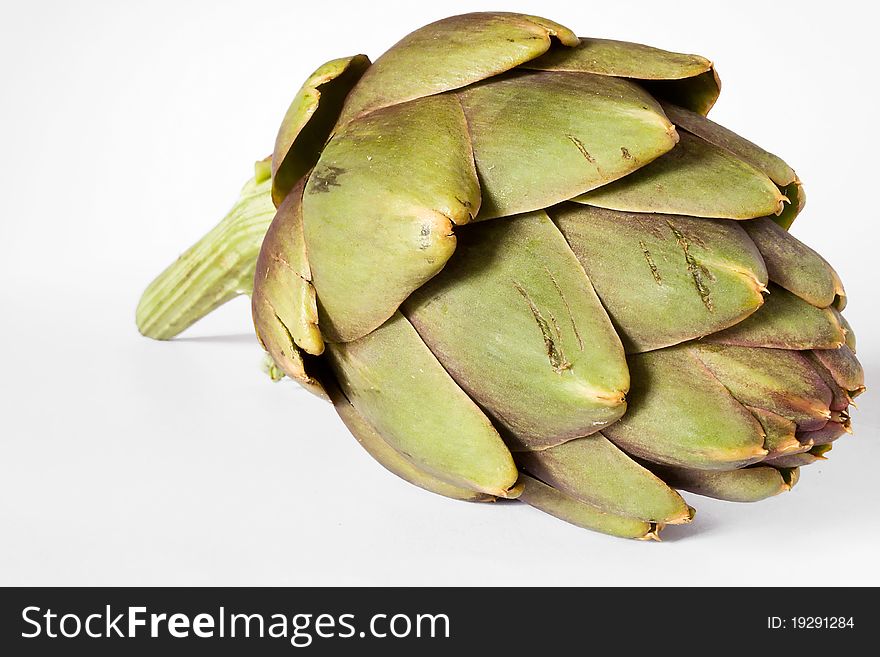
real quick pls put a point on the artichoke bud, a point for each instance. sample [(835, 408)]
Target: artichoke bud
[(523, 264)]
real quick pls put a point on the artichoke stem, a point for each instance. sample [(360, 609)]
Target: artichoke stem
[(214, 270)]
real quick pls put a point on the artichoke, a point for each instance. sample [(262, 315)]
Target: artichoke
[(523, 264)]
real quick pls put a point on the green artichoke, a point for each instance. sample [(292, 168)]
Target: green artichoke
[(526, 265)]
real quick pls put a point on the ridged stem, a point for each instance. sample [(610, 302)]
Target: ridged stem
[(216, 269)]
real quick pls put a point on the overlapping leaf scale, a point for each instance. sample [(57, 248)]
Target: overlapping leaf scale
[(680, 414), (283, 302), (379, 210), (785, 321), (790, 393), (310, 119), (593, 470), (665, 279), (780, 433), (795, 266), (452, 53), (773, 166), (688, 80), (394, 461), (695, 178), (533, 151), (837, 426), (565, 507), (814, 455), (394, 381), (714, 172), (508, 318), (750, 484)]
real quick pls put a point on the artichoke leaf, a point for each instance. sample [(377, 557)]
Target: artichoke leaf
[(403, 392), (283, 301), (840, 397), (815, 454), (689, 79), (695, 178), (750, 484), (391, 459), (595, 471), (697, 124), (691, 276), (844, 367), (283, 298), (680, 414), (775, 168), (452, 53), (379, 209), (515, 321), (836, 427), (795, 266), (785, 321), (533, 151), (556, 503), (310, 119)]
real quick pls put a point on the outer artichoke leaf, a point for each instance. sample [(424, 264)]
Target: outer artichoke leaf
[(533, 150), (691, 276), (549, 500), (841, 398), (696, 178), (515, 321), (379, 207), (621, 59), (816, 453), (835, 428), (778, 380), (679, 414), (283, 298), (695, 83), (750, 484), (844, 367), (310, 119), (593, 470), (780, 433), (795, 266), (452, 53), (403, 392), (777, 170), (785, 321), (391, 459)]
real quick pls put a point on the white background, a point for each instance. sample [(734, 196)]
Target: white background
[(126, 130)]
